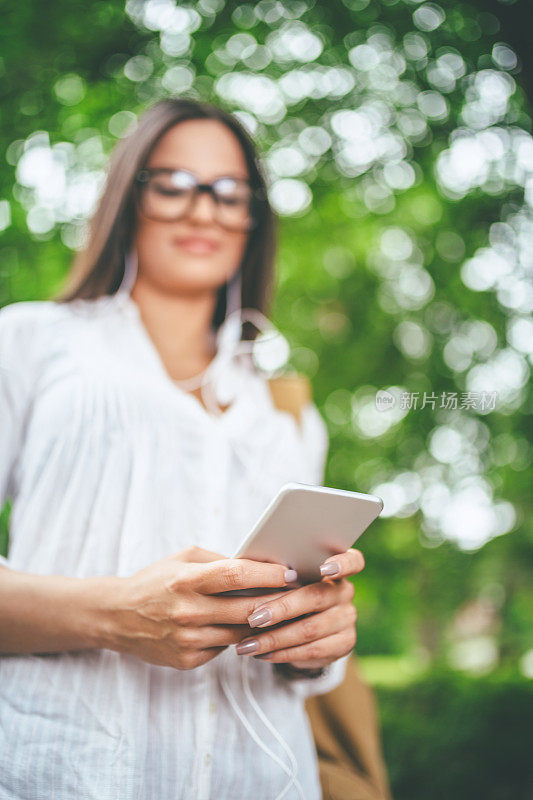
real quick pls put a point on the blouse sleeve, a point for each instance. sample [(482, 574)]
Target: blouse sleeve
[(316, 444), (15, 385)]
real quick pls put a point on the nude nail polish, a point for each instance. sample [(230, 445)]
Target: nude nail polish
[(244, 648), (259, 617), (330, 569)]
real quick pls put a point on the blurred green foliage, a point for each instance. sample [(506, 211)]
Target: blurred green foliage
[(453, 736), (397, 142)]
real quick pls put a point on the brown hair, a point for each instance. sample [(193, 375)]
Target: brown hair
[(99, 268)]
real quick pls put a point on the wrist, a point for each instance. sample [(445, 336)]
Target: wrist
[(103, 603), (288, 670)]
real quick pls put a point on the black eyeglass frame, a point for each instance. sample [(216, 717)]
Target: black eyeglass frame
[(257, 196)]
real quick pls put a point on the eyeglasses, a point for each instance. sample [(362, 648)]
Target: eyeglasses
[(166, 194)]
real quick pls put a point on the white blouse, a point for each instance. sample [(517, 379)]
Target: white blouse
[(110, 467)]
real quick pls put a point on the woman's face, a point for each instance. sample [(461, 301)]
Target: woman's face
[(193, 254)]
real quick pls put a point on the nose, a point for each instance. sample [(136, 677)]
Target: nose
[(203, 209)]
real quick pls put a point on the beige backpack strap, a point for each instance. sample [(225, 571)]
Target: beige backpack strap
[(291, 392)]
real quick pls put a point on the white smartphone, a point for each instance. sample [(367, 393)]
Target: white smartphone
[(304, 525)]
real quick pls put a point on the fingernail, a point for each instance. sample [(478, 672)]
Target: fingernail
[(259, 617), (290, 575), (243, 648), (330, 569), (263, 655)]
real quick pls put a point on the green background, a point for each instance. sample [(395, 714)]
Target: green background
[(397, 140)]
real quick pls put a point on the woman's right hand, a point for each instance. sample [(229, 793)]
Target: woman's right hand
[(168, 612)]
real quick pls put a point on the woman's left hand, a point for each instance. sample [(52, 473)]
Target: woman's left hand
[(327, 630)]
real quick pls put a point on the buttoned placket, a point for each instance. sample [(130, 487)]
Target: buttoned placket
[(206, 719), (215, 477), (216, 455)]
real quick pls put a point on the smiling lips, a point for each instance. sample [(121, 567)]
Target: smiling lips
[(199, 245)]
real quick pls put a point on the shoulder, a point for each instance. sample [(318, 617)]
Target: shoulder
[(22, 328), (26, 314), (26, 317), (315, 430), (293, 393)]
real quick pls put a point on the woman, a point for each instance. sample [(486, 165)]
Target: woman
[(131, 490)]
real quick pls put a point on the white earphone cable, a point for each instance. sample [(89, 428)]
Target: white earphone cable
[(262, 716), (291, 770), (229, 350), (230, 345)]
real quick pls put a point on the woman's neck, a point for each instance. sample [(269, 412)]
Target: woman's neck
[(179, 326)]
